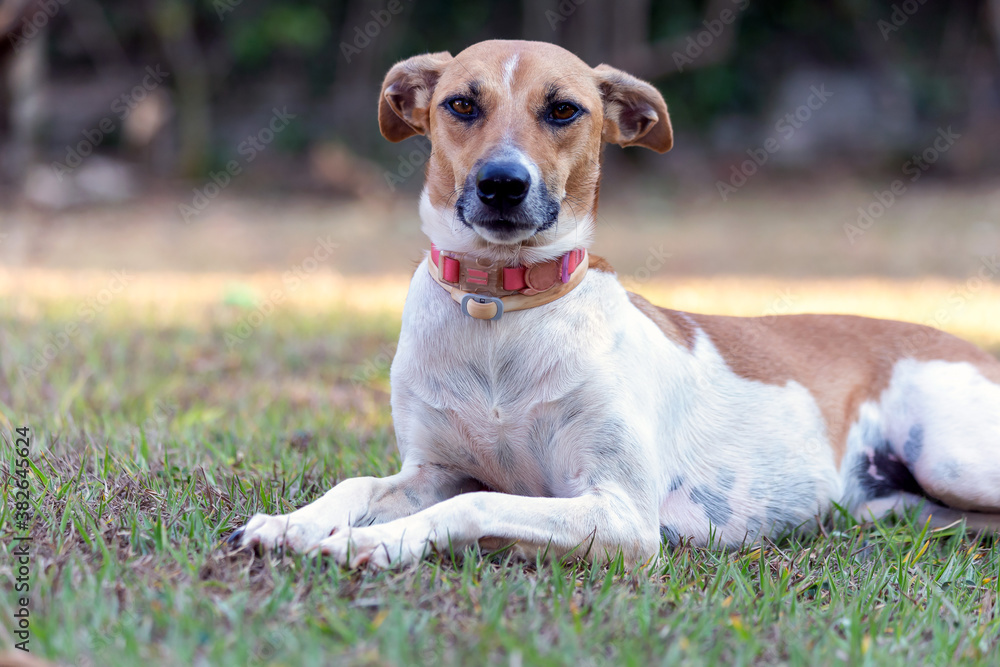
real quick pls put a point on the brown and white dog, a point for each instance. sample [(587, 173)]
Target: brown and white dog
[(537, 403)]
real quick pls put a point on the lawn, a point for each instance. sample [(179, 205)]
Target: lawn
[(166, 412)]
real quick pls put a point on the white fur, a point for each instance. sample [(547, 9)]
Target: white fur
[(579, 427), (595, 428), (954, 412), (509, 68), (592, 431)]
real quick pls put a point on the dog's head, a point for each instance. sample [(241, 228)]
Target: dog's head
[(516, 130)]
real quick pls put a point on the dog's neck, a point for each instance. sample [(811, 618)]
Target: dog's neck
[(447, 232)]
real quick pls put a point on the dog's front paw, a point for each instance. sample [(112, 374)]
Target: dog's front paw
[(394, 544), (264, 532)]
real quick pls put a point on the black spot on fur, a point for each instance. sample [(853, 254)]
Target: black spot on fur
[(914, 444), (716, 505), (505, 455), (949, 470), (479, 375), (882, 474), (618, 342), (412, 497), (727, 480)]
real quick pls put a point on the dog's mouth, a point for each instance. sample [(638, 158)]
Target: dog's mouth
[(502, 230), (514, 225)]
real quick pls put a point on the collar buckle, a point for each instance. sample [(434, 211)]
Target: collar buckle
[(482, 307)]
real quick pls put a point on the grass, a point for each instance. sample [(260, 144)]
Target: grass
[(155, 435)]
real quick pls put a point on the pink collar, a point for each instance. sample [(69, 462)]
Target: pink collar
[(486, 290)]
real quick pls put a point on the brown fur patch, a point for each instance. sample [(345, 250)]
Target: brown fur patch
[(674, 324), (597, 263), (842, 360)]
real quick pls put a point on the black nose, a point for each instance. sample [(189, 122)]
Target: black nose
[(502, 185)]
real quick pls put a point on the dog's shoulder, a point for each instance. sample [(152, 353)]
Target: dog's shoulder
[(598, 263), (676, 326)]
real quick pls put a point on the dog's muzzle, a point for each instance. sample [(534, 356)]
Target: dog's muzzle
[(505, 202)]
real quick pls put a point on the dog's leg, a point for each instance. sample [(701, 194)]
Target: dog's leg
[(360, 501), (592, 526), (943, 424), (938, 516)]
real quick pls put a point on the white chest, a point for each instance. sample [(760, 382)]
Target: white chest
[(587, 391)]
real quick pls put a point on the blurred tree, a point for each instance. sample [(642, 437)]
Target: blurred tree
[(720, 63), (172, 22), (26, 74)]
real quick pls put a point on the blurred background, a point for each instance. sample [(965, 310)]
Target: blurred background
[(131, 112), (840, 155), (730, 69)]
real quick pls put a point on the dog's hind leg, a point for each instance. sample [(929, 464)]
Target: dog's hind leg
[(932, 439), (943, 423), (938, 516)]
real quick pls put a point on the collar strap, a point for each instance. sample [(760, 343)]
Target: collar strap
[(486, 291)]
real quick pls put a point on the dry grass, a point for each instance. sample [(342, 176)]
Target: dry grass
[(965, 308)]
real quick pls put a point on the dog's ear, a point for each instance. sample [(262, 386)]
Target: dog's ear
[(404, 107), (634, 111)]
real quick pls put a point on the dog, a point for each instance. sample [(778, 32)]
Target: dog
[(541, 407)]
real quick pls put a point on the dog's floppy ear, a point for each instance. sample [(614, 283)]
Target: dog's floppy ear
[(403, 108), (634, 111)]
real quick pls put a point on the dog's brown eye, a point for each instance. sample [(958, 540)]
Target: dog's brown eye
[(462, 106), (564, 111)]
